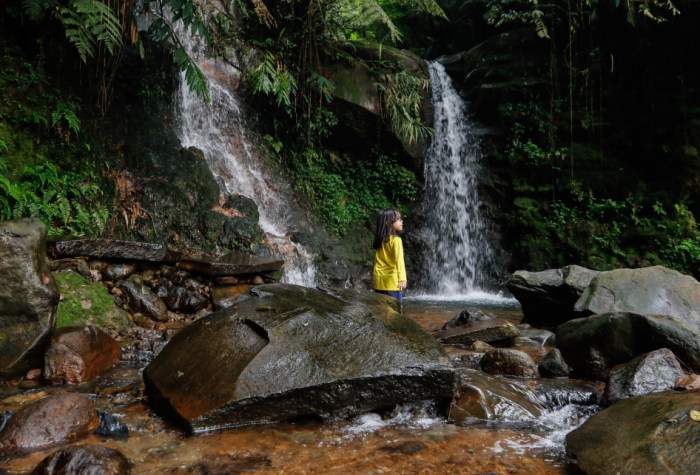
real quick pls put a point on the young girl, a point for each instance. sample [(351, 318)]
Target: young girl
[(389, 273)]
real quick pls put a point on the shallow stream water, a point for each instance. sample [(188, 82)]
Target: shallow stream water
[(414, 438)]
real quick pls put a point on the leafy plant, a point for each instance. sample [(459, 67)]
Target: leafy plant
[(402, 96), (57, 199)]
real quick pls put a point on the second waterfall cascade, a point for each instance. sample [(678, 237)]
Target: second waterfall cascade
[(218, 130), (458, 259)]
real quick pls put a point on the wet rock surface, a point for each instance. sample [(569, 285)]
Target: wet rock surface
[(84, 459), (548, 297), (650, 290), (48, 422), (288, 351), (509, 362), (28, 296), (652, 372), (647, 434), (483, 330), (79, 354), (593, 345), (109, 248)]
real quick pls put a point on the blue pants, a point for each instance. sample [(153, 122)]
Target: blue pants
[(397, 294)]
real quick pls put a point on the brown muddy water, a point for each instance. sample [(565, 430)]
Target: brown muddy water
[(412, 439)]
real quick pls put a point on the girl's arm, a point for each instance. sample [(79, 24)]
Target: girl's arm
[(400, 266)]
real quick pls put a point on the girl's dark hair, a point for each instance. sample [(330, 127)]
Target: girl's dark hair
[(384, 226)]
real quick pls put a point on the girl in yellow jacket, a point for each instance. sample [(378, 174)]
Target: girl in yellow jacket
[(389, 273)]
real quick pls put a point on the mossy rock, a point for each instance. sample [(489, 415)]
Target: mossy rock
[(83, 302)]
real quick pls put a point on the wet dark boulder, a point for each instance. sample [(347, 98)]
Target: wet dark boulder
[(467, 316), (288, 351), (79, 354), (547, 298), (49, 422), (651, 372), (553, 365), (28, 296), (141, 298), (179, 299), (84, 459), (658, 433), (593, 345)]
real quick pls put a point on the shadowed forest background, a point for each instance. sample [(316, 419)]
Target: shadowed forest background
[(591, 113)]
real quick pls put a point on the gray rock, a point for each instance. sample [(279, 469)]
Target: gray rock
[(487, 331), (28, 296), (652, 372), (115, 272), (651, 290), (640, 435), (593, 345), (288, 351), (108, 248), (179, 299), (553, 365), (143, 299), (548, 297)]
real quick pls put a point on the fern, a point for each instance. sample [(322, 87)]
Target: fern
[(35, 9), (66, 110), (89, 23)]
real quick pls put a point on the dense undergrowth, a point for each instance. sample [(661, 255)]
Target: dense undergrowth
[(596, 108)]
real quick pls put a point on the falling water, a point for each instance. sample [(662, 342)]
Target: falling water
[(218, 130), (458, 258)]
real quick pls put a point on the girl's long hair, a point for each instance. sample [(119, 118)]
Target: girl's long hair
[(384, 226)]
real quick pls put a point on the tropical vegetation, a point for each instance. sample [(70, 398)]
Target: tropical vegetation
[(594, 105)]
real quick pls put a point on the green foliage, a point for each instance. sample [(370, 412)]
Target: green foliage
[(65, 202), (402, 98), (66, 111), (270, 77), (344, 193), (89, 23), (167, 13)]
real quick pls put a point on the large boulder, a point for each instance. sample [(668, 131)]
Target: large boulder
[(592, 345), (657, 434), (650, 290), (289, 351), (548, 297), (28, 296)]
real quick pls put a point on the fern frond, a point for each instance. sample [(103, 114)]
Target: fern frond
[(89, 23), (431, 7), (35, 9), (366, 13), (264, 14)]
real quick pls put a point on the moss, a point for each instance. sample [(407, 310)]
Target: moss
[(85, 302)]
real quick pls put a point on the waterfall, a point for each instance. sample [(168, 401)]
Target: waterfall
[(218, 130), (457, 258)]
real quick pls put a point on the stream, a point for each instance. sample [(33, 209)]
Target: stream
[(413, 438)]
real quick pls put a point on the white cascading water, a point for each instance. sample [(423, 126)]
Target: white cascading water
[(458, 258), (218, 130)]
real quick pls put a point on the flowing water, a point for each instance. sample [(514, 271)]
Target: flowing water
[(457, 256), (218, 129), (416, 438)]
